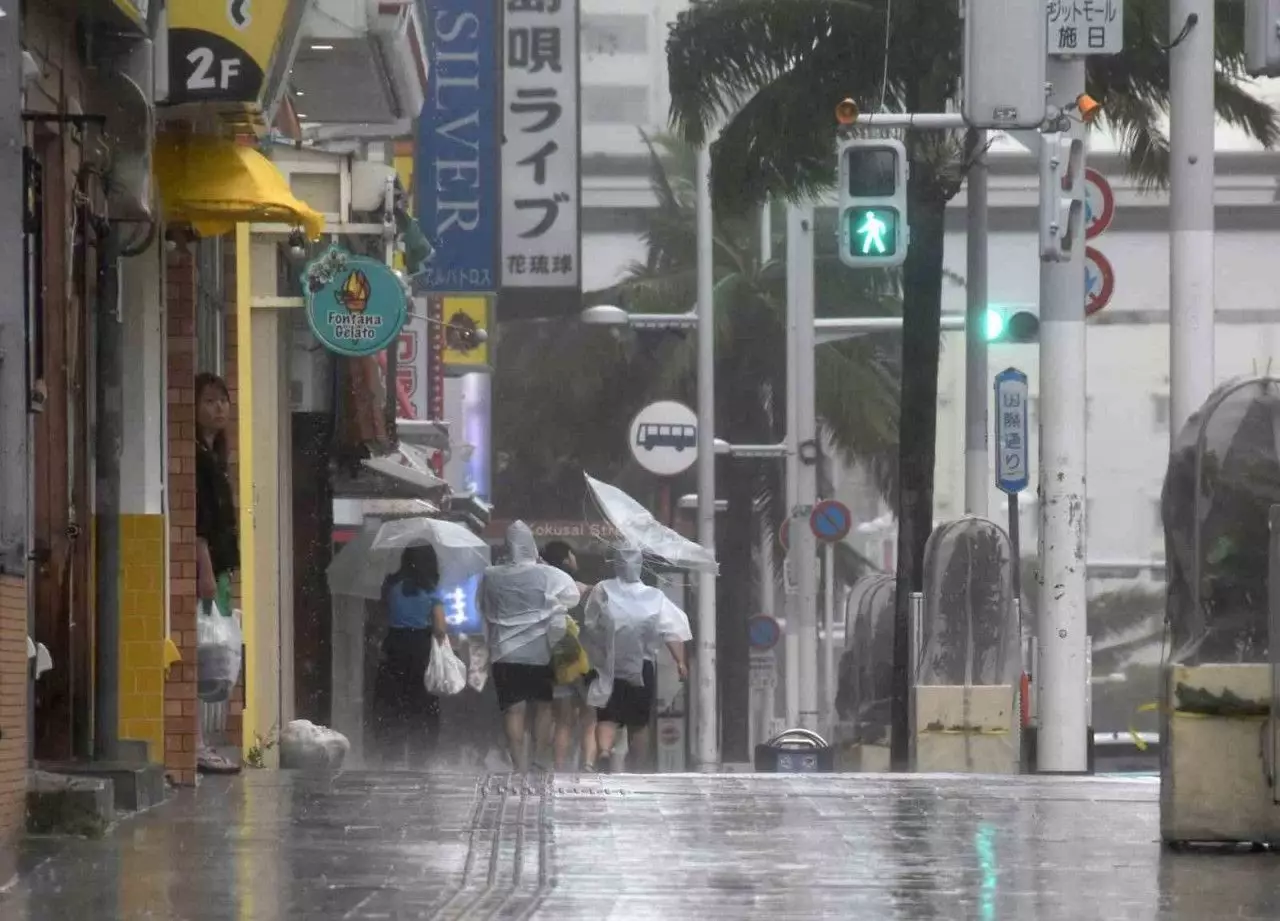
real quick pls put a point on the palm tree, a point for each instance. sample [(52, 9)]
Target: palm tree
[(793, 60)]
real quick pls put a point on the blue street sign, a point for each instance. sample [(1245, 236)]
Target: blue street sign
[(1012, 431), (457, 162), (763, 632), (830, 520)]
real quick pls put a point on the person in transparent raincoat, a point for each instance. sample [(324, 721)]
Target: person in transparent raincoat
[(625, 623), (525, 604)]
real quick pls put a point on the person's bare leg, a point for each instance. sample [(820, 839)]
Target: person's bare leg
[(513, 721), (590, 751), (566, 713), (638, 750), (606, 735), (543, 727)]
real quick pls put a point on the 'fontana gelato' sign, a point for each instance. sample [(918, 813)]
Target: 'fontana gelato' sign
[(356, 306)]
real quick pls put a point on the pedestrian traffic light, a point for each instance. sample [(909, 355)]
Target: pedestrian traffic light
[(1061, 196), (1012, 326), (1262, 38), (873, 203)]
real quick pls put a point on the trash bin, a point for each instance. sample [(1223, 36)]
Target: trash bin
[(796, 751)]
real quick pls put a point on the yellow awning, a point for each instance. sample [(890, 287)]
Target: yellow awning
[(214, 184)]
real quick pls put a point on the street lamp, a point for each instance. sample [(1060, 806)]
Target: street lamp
[(609, 315)]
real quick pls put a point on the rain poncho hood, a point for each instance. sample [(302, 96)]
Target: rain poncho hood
[(525, 601), (625, 623)]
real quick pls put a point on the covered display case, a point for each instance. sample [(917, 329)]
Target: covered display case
[(966, 694), (865, 685), (1220, 683)]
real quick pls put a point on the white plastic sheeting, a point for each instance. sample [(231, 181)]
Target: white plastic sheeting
[(525, 601), (624, 623), (639, 529), (1223, 478), (971, 633)]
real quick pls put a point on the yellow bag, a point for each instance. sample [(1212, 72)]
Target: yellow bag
[(568, 658)]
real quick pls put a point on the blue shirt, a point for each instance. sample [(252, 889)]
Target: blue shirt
[(412, 612)]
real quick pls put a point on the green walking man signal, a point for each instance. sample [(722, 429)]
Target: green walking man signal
[(873, 203), (875, 231)]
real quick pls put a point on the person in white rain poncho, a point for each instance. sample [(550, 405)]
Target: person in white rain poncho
[(525, 604), (625, 623)]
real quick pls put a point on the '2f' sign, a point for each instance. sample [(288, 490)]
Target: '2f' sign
[(208, 73)]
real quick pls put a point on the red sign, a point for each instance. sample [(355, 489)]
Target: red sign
[(1099, 203), (1099, 281)]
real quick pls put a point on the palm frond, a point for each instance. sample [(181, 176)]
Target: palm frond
[(720, 52)]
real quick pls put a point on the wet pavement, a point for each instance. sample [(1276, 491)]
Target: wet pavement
[(271, 846)]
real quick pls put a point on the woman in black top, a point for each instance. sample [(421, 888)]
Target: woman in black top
[(217, 544)]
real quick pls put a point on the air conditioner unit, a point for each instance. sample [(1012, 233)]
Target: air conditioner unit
[(398, 36)]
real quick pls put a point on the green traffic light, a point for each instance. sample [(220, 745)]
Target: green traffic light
[(873, 232), (995, 325)]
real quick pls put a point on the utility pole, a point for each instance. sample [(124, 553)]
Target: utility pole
[(707, 728), (1191, 217), (800, 296), (1062, 674), (109, 442), (976, 389), (13, 307), (792, 487)]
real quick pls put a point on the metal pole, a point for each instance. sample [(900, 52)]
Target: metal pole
[(109, 441), (13, 309), (800, 296), (791, 609), (828, 635), (707, 741), (976, 387), (1191, 217), (1062, 677)]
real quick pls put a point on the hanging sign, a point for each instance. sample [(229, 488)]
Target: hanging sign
[(356, 306), (222, 52)]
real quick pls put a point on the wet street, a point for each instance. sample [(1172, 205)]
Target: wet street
[(274, 845)]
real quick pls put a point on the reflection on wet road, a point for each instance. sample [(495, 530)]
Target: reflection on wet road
[(398, 846)]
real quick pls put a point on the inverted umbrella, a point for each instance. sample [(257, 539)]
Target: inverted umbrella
[(641, 530)]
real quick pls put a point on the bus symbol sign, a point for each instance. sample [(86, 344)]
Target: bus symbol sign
[(664, 438)]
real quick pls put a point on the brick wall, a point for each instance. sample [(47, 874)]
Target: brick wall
[(13, 709), (180, 703)]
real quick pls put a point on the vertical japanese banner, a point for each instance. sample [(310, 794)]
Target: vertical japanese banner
[(458, 165), (541, 184)]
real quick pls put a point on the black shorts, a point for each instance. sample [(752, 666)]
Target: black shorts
[(629, 705), (517, 682)]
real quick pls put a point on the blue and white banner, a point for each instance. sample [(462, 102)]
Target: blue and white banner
[(458, 154)]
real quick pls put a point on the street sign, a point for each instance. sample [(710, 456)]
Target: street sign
[(763, 632), (1012, 475), (664, 438), (830, 521), (1099, 203), (764, 671), (1099, 281), (1092, 27)]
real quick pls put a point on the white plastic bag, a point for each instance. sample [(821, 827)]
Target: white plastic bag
[(305, 745), (219, 650), (446, 675)]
